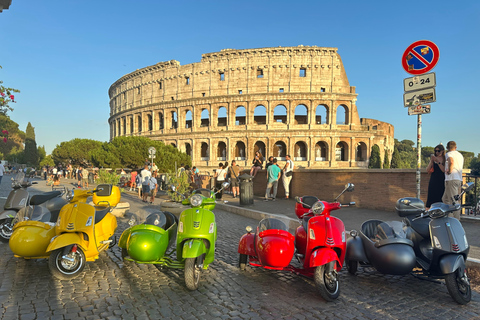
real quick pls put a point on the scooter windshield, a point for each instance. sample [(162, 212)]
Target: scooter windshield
[(37, 213), (390, 230)]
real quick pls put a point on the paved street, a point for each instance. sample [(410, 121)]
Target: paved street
[(111, 289)]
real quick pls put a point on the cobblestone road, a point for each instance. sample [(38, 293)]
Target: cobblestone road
[(111, 289)]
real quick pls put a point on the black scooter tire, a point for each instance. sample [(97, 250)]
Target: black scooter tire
[(4, 235), (242, 261), (329, 290), (352, 266), (59, 271), (192, 272), (458, 290)]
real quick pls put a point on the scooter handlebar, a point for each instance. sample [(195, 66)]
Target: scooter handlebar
[(348, 204)]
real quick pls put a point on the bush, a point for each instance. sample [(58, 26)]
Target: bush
[(108, 177), (181, 185)]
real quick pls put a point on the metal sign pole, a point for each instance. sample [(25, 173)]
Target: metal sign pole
[(419, 152)]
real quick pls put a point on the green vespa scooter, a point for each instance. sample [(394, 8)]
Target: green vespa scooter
[(195, 243)]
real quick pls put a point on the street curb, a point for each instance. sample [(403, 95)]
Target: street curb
[(292, 223)]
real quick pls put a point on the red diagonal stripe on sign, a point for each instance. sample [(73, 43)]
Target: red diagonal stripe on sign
[(419, 57)]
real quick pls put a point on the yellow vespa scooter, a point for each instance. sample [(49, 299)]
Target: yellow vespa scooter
[(81, 232)]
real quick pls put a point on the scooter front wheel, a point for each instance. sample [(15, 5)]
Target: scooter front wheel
[(458, 288), (326, 281), (6, 230), (193, 270), (66, 266)]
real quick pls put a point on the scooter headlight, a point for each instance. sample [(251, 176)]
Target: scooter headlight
[(318, 207), (196, 200)]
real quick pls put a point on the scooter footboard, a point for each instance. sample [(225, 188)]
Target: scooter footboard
[(323, 256), (451, 262)]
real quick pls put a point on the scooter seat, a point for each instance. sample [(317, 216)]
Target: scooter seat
[(100, 213), (370, 228), (41, 198)]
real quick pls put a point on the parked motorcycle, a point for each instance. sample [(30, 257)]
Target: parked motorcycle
[(196, 232), (429, 240), (318, 244), (18, 199), (80, 233)]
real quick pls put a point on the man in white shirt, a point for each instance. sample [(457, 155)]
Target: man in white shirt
[(453, 176), (145, 175)]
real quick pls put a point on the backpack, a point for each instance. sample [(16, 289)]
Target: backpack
[(137, 179)]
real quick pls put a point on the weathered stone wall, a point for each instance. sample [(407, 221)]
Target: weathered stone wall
[(233, 102)]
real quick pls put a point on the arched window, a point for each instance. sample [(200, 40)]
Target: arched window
[(240, 118), (174, 120), (300, 151), (131, 124), (342, 114), (260, 115), (279, 150), (188, 149), (119, 132), (173, 145), (280, 114), (205, 120), (341, 151), (240, 151), (260, 147), (301, 114), (160, 121), (222, 151), (222, 117), (321, 153), (204, 152), (188, 119), (321, 114), (149, 121), (139, 123), (124, 126), (361, 152)]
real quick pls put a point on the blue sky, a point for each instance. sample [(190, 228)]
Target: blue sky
[(64, 55)]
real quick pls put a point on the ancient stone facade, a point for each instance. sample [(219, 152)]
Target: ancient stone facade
[(285, 100)]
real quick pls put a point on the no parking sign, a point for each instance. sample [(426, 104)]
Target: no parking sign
[(420, 57)]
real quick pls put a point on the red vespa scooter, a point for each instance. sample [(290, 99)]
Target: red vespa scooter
[(319, 244)]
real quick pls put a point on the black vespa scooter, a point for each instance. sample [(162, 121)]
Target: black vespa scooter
[(429, 240)]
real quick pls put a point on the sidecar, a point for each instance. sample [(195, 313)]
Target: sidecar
[(382, 245), (148, 242), (272, 247)]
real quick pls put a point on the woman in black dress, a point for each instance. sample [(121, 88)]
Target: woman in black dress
[(436, 186)]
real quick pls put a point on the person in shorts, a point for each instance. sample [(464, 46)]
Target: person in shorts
[(153, 184), (234, 171), (145, 177)]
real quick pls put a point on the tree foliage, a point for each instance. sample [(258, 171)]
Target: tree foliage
[(76, 151), (375, 161), (386, 161), (31, 152), (16, 138), (6, 98)]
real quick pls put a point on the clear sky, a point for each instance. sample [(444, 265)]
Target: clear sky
[(64, 55)]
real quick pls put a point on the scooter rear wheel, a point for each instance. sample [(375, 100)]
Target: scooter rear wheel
[(193, 270), (242, 261), (6, 230), (326, 281), (458, 289), (64, 269)]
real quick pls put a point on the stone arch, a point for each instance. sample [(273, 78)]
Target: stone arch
[(174, 120), (205, 118), (188, 119), (139, 123), (260, 115), (342, 114), (341, 151), (240, 116), (301, 114), (117, 122), (161, 123), (361, 152), (300, 152), (131, 124), (321, 151), (240, 153), (321, 114), (222, 151), (149, 122), (222, 117), (280, 114), (204, 152), (124, 120), (280, 150), (173, 144), (188, 149), (260, 147)]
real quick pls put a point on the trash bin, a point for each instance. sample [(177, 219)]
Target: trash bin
[(246, 189), (90, 178)]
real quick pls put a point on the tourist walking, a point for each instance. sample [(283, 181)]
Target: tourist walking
[(453, 176), (287, 175), (436, 169), (153, 186), (220, 175), (145, 176), (273, 175)]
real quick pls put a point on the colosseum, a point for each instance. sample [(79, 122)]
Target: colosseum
[(279, 101)]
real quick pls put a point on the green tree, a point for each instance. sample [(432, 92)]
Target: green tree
[(467, 158), (375, 161), (76, 151), (30, 153), (6, 98), (41, 153), (386, 161), (396, 161), (16, 137), (47, 161)]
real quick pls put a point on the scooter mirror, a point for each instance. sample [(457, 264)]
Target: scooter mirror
[(172, 187), (350, 187), (297, 199), (225, 185), (468, 186)]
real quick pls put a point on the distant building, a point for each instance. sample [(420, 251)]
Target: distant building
[(279, 101), (5, 4)]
